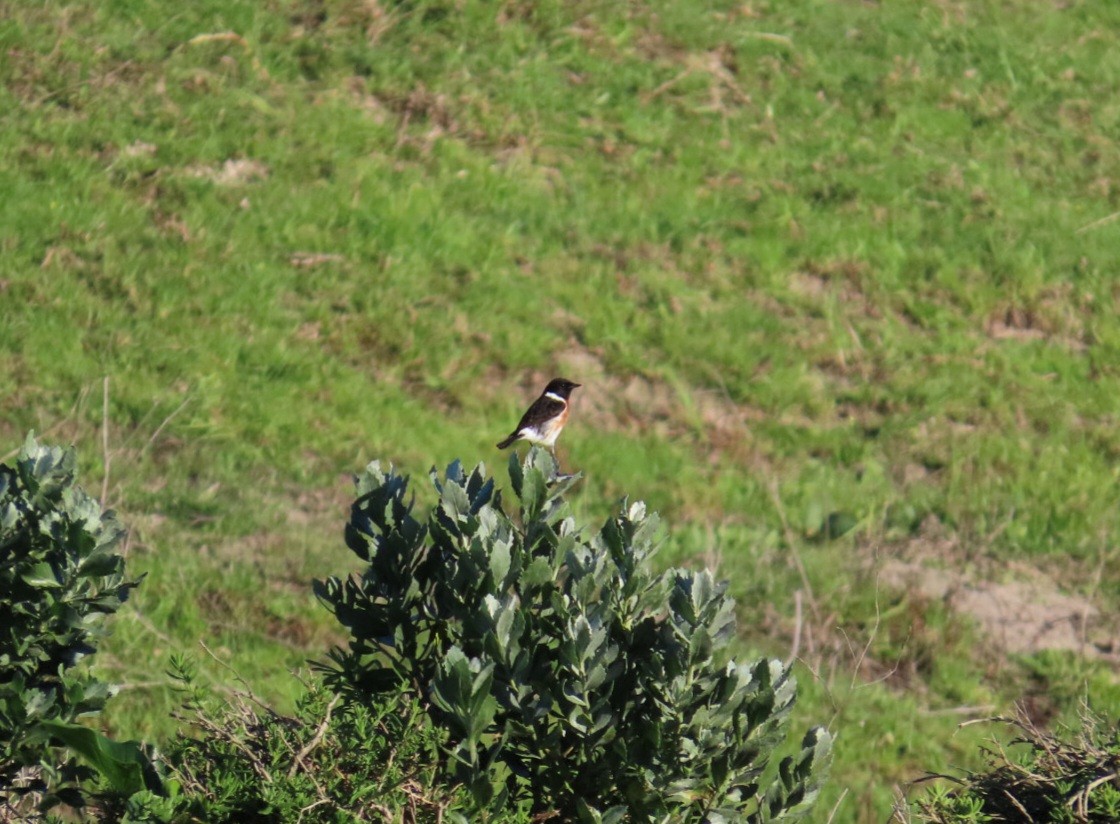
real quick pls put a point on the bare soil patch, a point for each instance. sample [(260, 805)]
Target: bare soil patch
[(234, 172), (1016, 616), (1018, 609)]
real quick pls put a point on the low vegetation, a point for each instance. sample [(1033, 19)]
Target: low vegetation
[(236, 759), (61, 576), (1069, 779), (498, 670)]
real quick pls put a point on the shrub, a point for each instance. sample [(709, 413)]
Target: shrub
[(329, 762), (574, 680), (60, 576), (1045, 779)]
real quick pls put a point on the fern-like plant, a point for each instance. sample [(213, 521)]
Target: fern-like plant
[(574, 680)]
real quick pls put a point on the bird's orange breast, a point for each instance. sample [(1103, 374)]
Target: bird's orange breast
[(550, 430)]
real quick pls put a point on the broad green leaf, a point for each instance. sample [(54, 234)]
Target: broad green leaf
[(100, 563), (42, 575), (615, 815), (453, 499), (505, 624), (537, 573), (122, 764), (499, 563)]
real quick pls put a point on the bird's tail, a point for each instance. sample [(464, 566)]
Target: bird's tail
[(508, 441)]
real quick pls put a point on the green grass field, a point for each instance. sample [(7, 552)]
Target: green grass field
[(822, 266)]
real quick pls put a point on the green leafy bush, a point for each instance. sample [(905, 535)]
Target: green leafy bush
[(1041, 778), (329, 762), (59, 577), (575, 681)]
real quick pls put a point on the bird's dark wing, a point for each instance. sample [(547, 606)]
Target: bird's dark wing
[(543, 409)]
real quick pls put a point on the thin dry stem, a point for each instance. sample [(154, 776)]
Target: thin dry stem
[(791, 543), (315, 739), (795, 647), (106, 455), (162, 426)]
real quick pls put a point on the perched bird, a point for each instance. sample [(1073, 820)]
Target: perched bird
[(542, 422)]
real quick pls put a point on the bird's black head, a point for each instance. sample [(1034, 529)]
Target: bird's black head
[(561, 386)]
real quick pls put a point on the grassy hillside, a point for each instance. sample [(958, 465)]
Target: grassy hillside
[(822, 267)]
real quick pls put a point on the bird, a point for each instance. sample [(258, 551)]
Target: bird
[(545, 418)]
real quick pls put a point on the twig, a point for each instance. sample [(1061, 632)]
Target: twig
[(859, 659), (141, 619), (310, 807), (1096, 224), (792, 544), (986, 708), (1082, 799), (162, 425), (995, 719), (225, 664), (127, 544), (836, 806), (246, 695), (770, 37), (932, 776), (1020, 807), (143, 685), (383, 811), (668, 84), (866, 647), (795, 647), (106, 457), (900, 810), (315, 739), (224, 734)]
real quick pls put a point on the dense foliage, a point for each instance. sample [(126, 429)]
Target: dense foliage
[(569, 679), (238, 761), (573, 678), (60, 576), (1074, 780)]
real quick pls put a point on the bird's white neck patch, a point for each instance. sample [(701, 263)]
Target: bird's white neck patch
[(554, 396)]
